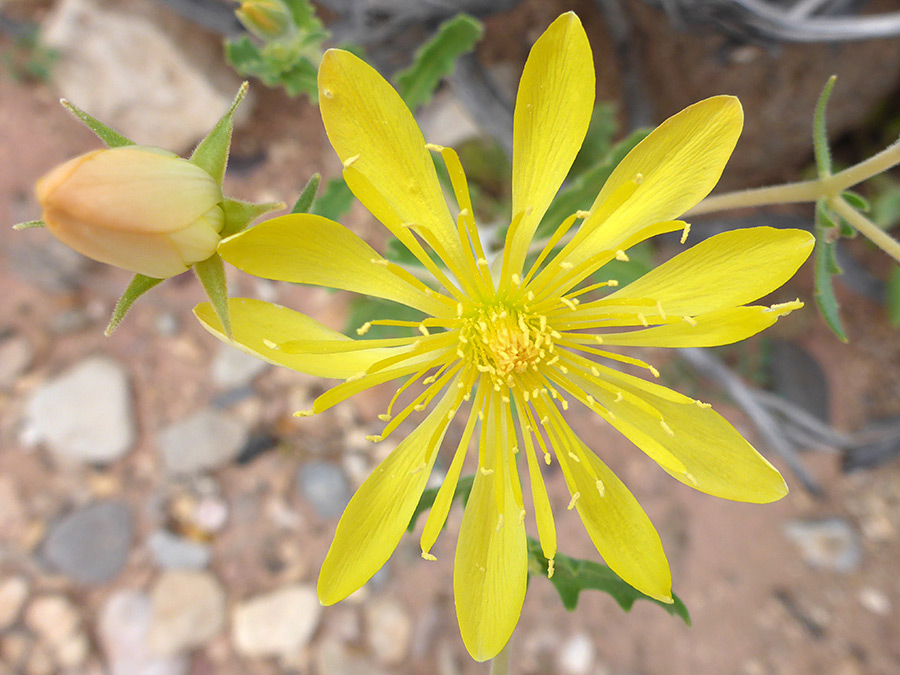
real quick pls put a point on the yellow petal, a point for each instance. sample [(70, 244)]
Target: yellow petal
[(727, 270), (722, 327), (715, 458), (372, 130), (308, 249), (616, 523), (678, 164), (378, 514), (491, 567), (257, 326), (553, 110)]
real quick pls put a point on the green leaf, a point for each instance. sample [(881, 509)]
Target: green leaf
[(239, 214), (437, 58), (824, 268), (243, 55), (856, 200), (308, 195), (139, 285), (306, 20), (572, 575), (211, 154), (301, 79), (335, 201), (892, 297), (28, 225), (820, 134), (463, 488), (580, 193), (211, 273), (111, 137)]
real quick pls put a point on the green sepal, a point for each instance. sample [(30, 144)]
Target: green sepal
[(211, 154), (211, 273), (239, 214), (335, 200), (308, 195), (820, 134), (572, 575), (28, 225), (825, 266), (437, 58), (111, 137), (139, 285), (856, 200), (463, 488), (892, 297)]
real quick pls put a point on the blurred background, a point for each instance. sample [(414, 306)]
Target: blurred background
[(162, 512)]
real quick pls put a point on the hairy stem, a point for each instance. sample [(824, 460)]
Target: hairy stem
[(866, 227)]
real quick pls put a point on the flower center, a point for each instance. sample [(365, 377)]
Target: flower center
[(506, 341)]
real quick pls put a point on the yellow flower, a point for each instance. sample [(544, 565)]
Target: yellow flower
[(516, 344), (140, 208)]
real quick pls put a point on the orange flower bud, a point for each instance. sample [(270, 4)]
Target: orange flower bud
[(141, 208), (266, 19)]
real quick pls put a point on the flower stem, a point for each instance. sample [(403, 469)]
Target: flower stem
[(789, 193), (827, 187), (866, 227), (500, 663)]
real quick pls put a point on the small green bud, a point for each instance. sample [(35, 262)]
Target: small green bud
[(266, 19)]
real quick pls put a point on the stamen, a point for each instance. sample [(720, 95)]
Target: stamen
[(621, 255), (573, 501), (350, 161), (601, 488), (685, 231), (362, 330), (429, 556), (550, 568)]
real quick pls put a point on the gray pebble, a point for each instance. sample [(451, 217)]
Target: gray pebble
[(122, 630), (233, 368), (173, 552), (829, 543), (91, 544), (85, 413), (324, 485), (204, 441)]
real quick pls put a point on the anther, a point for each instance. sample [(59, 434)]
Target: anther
[(685, 231), (690, 320), (582, 214), (619, 397), (374, 438), (362, 330), (423, 330), (653, 371), (384, 417), (660, 310), (572, 502), (612, 282), (573, 457), (304, 413), (485, 472), (601, 488), (642, 319), (379, 261), (598, 339), (429, 556), (547, 458), (270, 344), (621, 255), (434, 147), (550, 568), (666, 428), (349, 161)]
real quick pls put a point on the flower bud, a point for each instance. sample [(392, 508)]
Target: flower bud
[(266, 19), (141, 208)]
